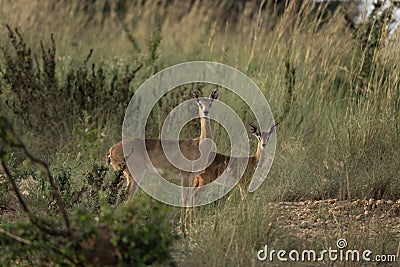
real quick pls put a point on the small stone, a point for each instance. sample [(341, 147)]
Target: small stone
[(305, 224), (331, 201), (371, 201), (359, 217)]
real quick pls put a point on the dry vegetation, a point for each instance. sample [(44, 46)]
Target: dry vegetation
[(334, 86)]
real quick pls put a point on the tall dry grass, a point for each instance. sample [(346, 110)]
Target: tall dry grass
[(335, 89)]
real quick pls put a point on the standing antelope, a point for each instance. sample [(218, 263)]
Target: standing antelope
[(220, 163), (188, 147)]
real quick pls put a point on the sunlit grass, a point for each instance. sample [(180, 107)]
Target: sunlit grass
[(339, 135)]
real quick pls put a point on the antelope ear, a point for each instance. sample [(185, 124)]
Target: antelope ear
[(273, 129), (214, 94), (195, 93), (254, 130)]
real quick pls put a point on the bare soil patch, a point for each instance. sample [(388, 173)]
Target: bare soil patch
[(309, 219)]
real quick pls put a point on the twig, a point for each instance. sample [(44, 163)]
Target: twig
[(17, 238), (13, 184), (32, 217), (129, 35), (54, 190)]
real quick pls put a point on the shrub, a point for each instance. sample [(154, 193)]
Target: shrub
[(49, 105), (136, 234)]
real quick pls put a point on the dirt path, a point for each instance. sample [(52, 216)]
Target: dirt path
[(309, 219)]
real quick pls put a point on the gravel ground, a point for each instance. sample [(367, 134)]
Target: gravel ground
[(310, 219)]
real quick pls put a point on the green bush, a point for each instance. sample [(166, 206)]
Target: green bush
[(50, 105), (136, 235), (99, 234)]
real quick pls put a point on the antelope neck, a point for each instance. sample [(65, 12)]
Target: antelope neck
[(205, 128)]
